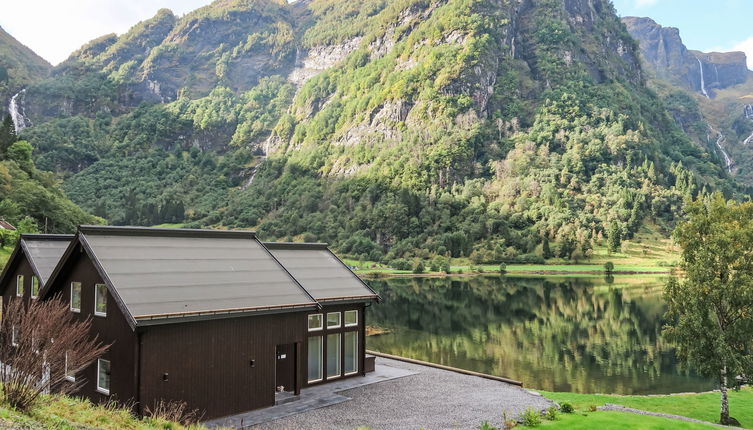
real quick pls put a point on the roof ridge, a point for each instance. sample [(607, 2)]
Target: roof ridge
[(165, 232), (296, 245)]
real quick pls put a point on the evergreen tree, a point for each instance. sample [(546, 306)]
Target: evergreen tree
[(614, 237), (7, 135)]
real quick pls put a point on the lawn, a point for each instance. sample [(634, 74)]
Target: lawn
[(618, 420), (704, 406)]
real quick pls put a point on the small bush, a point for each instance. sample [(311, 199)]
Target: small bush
[(531, 418), (551, 413), (567, 408), (503, 268), (592, 408), (609, 267), (486, 426), (174, 411)]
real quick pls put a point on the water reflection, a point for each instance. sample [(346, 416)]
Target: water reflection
[(567, 334)]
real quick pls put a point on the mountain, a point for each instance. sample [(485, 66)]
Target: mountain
[(19, 66), (711, 93), (493, 129)]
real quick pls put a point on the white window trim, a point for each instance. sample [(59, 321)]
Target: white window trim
[(356, 354), (345, 322), (13, 336), (20, 283), (321, 361), (96, 295), (34, 278), (339, 356), (100, 389), (321, 319), (70, 378), (340, 320), (78, 310)]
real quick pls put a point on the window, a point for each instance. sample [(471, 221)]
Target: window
[(34, 287), (315, 322), (351, 318), (351, 352), (333, 355), (20, 285), (100, 300), (76, 296), (14, 337), (103, 376), (68, 374), (333, 320), (315, 358)]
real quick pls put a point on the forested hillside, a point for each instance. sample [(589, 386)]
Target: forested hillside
[(502, 129)]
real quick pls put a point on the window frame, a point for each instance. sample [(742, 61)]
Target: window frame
[(321, 359), (339, 320), (339, 352), (321, 322), (14, 336), (105, 391), (34, 283), (96, 297), (355, 353), (20, 285), (345, 319), (73, 285)]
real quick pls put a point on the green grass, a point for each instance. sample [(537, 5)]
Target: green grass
[(703, 406), (5, 255), (66, 413), (167, 225), (608, 420)]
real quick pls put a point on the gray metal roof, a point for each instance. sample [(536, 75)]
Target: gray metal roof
[(161, 273), (44, 252), (320, 272)]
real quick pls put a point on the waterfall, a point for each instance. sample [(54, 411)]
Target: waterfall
[(719, 141), (16, 109), (748, 113), (703, 83)]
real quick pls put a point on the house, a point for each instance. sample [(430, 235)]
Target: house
[(5, 225), (208, 317), (31, 264)]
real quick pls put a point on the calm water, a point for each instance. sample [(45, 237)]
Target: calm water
[(560, 334)]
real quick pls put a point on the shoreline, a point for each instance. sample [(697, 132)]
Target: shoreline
[(377, 275)]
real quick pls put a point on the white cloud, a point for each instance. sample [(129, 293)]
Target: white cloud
[(747, 47), (645, 3), (55, 28)]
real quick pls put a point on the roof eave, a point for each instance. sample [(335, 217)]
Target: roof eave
[(146, 321)]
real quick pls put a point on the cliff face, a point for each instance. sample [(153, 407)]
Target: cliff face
[(668, 58), (19, 66)]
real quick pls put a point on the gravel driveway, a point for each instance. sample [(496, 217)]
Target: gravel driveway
[(432, 399)]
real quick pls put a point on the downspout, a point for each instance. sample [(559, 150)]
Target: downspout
[(139, 406)]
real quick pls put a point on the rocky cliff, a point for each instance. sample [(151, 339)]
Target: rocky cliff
[(668, 58)]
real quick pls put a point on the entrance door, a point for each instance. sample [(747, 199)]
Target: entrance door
[(285, 367)]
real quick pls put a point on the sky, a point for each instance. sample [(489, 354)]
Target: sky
[(55, 28)]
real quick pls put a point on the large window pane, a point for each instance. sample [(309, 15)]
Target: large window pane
[(20, 285), (34, 287), (333, 320), (315, 358), (351, 352), (333, 355), (100, 300)]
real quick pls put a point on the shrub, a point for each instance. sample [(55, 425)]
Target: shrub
[(418, 267), (531, 418), (567, 408), (551, 413), (173, 411), (503, 268), (609, 267), (27, 332), (400, 264), (486, 426)]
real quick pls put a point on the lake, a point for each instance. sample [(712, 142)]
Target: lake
[(578, 334)]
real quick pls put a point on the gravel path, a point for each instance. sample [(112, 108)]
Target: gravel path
[(620, 408), (433, 399)]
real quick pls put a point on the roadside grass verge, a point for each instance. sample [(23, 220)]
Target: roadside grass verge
[(608, 420), (701, 406)]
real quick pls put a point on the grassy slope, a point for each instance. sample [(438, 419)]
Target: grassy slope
[(618, 420), (704, 406), (4, 255), (65, 413)]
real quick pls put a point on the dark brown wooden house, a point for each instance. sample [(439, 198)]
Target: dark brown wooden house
[(31, 264), (213, 318)]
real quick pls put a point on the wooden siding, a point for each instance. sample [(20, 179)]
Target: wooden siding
[(208, 363), (111, 329), (23, 267)]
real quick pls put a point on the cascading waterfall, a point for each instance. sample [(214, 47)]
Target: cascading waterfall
[(16, 109), (748, 112), (720, 139), (703, 82)]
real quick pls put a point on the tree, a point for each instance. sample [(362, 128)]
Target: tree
[(20, 152), (614, 237), (546, 249), (40, 344), (710, 310), (7, 135), (608, 267)]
